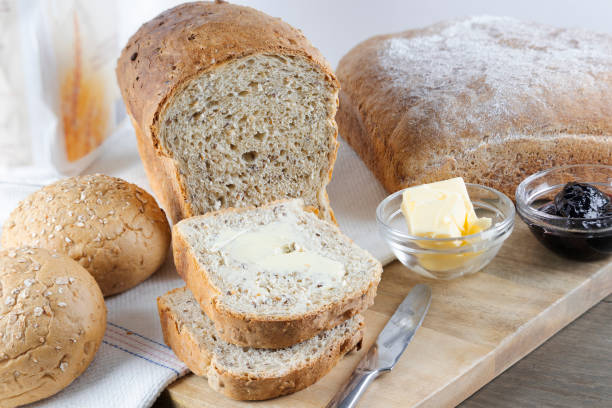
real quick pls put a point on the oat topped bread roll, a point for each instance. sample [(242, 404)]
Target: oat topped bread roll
[(113, 228), (231, 108), (489, 99), (52, 321)]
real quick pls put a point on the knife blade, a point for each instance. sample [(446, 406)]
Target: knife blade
[(389, 346)]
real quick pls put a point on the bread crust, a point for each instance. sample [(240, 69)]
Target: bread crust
[(404, 134), (261, 331), (166, 53), (52, 322), (201, 363), (111, 227)]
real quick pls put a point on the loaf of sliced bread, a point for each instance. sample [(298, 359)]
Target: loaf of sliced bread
[(273, 276), (248, 373), (231, 108)]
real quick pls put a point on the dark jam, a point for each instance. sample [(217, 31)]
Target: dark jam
[(587, 211)]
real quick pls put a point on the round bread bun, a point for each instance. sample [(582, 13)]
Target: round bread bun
[(111, 227), (52, 321)]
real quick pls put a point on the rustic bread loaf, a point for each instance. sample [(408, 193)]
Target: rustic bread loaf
[(52, 321), (231, 108), (247, 373), (486, 98), (273, 276), (113, 228)]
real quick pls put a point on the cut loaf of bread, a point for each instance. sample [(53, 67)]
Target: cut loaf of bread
[(231, 107), (247, 373), (273, 276)]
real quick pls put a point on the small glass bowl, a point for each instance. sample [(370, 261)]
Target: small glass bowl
[(448, 258), (576, 238)]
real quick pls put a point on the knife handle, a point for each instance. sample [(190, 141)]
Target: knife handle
[(348, 396)]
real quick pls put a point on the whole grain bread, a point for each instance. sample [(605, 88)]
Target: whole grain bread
[(231, 108), (256, 305), (52, 321), (247, 373), (487, 98), (111, 227)]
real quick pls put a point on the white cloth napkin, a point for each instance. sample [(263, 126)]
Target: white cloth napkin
[(133, 364)]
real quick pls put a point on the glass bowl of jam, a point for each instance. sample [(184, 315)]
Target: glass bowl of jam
[(569, 209), (448, 258)]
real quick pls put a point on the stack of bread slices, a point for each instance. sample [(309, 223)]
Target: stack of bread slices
[(273, 298), (234, 112)]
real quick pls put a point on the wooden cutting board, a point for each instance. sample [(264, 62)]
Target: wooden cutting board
[(476, 327)]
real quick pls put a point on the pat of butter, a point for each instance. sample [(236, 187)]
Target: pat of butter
[(278, 248), (442, 210)]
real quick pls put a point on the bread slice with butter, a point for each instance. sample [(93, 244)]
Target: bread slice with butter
[(247, 373), (273, 276)]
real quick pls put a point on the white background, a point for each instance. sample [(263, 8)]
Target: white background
[(335, 26)]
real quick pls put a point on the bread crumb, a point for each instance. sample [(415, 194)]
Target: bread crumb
[(61, 280), (9, 301), (63, 366), (28, 282), (42, 339), (38, 311), (62, 304)]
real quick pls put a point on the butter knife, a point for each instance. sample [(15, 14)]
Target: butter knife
[(389, 346)]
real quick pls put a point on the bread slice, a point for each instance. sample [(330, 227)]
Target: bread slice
[(248, 373), (231, 107), (237, 264)]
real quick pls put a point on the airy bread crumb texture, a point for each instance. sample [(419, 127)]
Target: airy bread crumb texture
[(274, 294), (254, 130), (248, 361)]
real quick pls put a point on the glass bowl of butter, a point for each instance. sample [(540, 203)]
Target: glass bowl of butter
[(446, 229)]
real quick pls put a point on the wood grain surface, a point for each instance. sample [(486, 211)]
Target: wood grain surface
[(476, 328), (572, 369)]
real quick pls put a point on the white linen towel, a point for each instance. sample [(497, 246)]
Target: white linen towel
[(133, 364)]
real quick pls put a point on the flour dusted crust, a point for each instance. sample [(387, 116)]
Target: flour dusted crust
[(261, 331), (52, 321), (177, 46), (111, 227), (203, 361), (486, 98)]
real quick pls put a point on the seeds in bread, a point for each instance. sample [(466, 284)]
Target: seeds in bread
[(247, 373), (262, 305), (491, 99), (111, 227), (52, 321), (232, 108)]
